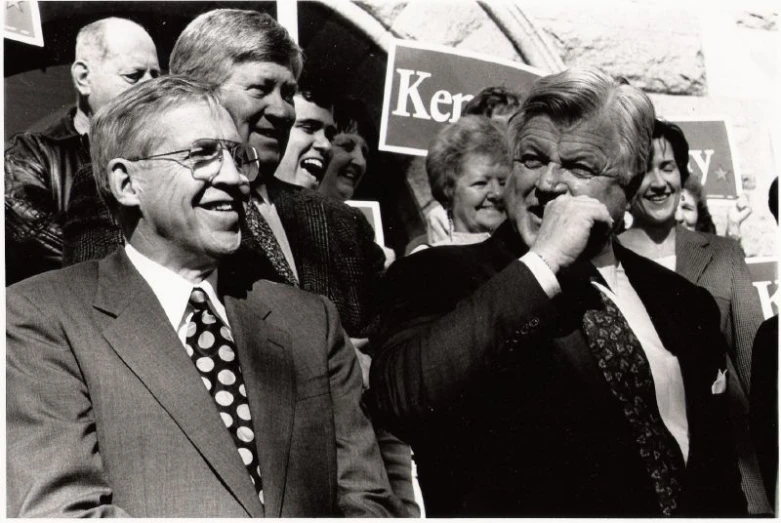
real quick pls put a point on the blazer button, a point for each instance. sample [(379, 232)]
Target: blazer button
[(535, 322)]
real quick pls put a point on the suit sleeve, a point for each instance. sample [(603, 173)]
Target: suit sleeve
[(53, 462), (434, 347), (363, 489), (745, 314), (370, 286)]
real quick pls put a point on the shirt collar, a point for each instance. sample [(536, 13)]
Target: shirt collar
[(173, 291)]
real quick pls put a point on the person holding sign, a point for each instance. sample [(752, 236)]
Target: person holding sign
[(549, 371), (712, 262)]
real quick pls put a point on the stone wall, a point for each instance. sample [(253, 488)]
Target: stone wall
[(693, 60)]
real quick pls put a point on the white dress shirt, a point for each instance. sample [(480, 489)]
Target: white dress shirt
[(665, 369), (173, 291)]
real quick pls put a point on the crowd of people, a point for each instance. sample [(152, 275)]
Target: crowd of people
[(199, 326)]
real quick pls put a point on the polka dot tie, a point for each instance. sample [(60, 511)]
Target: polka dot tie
[(210, 346)]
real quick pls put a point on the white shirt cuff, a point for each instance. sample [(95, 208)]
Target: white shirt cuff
[(544, 275)]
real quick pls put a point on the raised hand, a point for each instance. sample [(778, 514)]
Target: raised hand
[(571, 226)]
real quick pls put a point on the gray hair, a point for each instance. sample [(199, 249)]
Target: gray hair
[(92, 42), (212, 44), (127, 127), (472, 135), (581, 93)]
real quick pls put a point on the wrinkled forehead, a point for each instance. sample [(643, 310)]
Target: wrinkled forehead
[(178, 125)]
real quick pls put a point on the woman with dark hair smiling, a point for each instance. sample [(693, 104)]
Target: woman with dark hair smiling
[(712, 262)]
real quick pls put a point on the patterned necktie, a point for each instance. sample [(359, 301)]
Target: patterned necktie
[(623, 363), (262, 233), (210, 346)]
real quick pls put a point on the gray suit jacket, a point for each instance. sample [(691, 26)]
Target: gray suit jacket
[(108, 416), (719, 265)]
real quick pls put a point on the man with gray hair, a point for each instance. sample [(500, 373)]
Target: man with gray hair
[(549, 371), (151, 384), (254, 66), (112, 55)]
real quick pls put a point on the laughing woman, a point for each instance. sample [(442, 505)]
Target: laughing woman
[(467, 165), (710, 261)]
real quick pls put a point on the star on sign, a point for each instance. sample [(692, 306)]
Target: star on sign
[(14, 3), (721, 174)]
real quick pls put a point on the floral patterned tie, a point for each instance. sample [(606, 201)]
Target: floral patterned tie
[(264, 236), (210, 346), (623, 363)]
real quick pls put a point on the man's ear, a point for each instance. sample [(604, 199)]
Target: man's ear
[(122, 186), (80, 73)]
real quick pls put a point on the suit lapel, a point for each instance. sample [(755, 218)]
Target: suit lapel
[(692, 254), (143, 338), (269, 376)]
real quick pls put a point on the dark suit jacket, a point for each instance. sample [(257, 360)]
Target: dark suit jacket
[(333, 248), (494, 386), (719, 265), (108, 416)]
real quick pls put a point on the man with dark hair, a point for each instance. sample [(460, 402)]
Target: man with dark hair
[(548, 371), (308, 152), (153, 384), (112, 55)]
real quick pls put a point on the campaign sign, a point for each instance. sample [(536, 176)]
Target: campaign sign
[(371, 210), (764, 278), (710, 157), (23, 22), (427, 86)]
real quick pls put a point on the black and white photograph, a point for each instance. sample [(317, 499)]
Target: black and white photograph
[(391, 258)]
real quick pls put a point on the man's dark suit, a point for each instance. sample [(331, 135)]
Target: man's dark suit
[(333, 248), (107, 415), (494, 386)]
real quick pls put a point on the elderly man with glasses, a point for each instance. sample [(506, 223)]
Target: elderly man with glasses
[(147, 384)]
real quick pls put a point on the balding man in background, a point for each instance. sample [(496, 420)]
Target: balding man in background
[(112, 55)]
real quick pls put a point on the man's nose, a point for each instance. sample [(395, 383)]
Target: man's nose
[(230, 175), (322, 143), (278, 108), (551, 180)]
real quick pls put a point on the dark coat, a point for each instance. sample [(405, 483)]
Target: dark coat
[(494, 386), (39, 171), (333, 248)]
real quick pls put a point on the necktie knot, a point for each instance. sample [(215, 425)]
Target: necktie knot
[(198, 298)]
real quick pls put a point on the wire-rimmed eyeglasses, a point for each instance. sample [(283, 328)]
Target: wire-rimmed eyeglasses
[(205, 156)]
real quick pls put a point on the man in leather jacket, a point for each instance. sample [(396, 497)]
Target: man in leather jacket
[(112, 55)]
